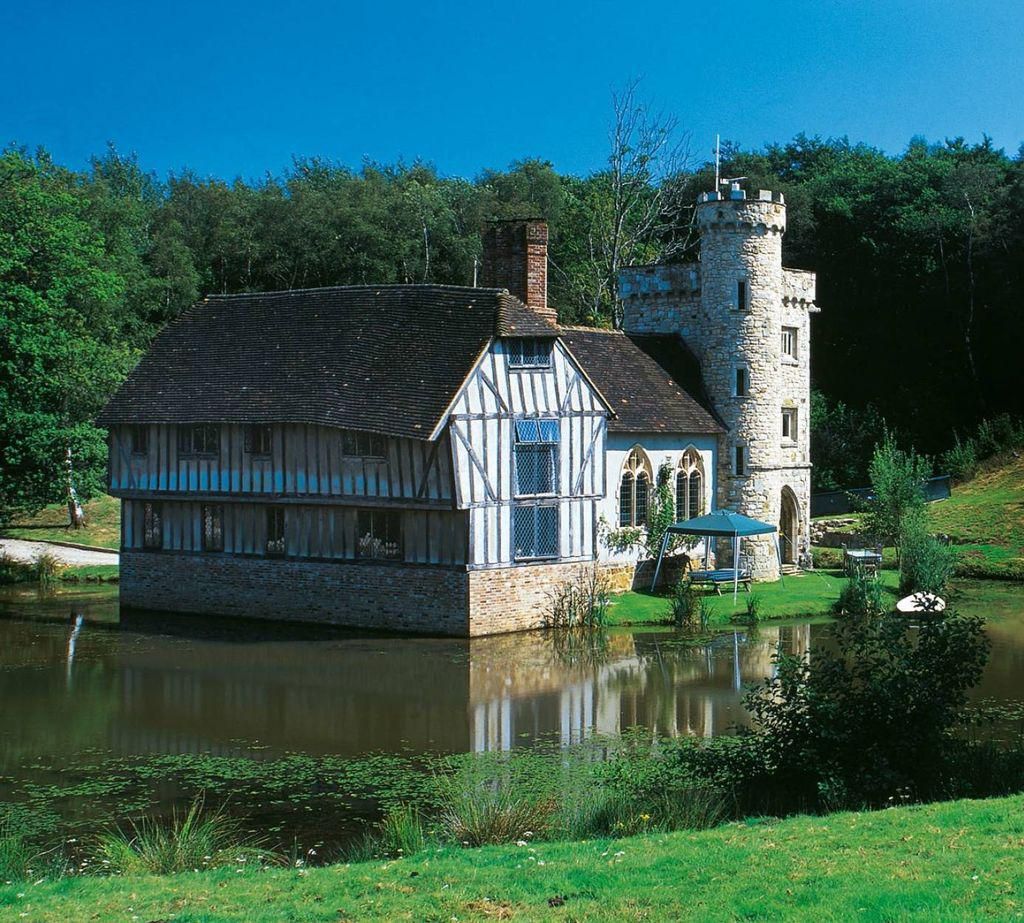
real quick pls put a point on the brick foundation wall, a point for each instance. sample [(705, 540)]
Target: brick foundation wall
[(422, 600), (419, 600)]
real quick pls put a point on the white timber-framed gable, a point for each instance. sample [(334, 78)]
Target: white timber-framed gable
[(508, 422)]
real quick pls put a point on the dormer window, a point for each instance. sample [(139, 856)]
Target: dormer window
[(528, 353)]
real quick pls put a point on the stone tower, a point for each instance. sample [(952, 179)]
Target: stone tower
[(748, 321)]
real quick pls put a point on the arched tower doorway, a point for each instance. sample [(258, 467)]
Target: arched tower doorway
[(789, 528)]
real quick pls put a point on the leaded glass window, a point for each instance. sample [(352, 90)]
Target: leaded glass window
[(536, 457)]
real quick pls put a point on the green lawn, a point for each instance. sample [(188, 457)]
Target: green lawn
[(986, 515), (808, 593), (102, 525), (962, 860)]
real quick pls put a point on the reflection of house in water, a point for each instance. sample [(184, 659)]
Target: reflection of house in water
[(647, 680), (137, 692)]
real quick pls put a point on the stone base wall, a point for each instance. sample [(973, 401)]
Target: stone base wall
[(420, 600), (515, 598), (423, 600)]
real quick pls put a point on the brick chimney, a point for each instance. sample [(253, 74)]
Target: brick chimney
[(516, 258)]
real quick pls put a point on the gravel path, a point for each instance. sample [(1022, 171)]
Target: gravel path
[(21, 550)]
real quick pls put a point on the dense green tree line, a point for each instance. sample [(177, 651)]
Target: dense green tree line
[(919, 257)]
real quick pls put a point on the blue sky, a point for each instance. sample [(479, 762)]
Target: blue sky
[(239, 88)]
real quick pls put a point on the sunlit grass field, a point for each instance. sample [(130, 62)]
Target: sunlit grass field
[(959, 860), (102, 525)]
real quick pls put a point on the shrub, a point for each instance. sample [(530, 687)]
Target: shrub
[(480, 813), (869, 716), (197, 839), (926, 564), (861, 596), (897, 477), (689, 607), (961, 461), (582, 600)]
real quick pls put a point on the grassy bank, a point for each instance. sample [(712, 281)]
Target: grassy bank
[(102, 525), (953, 861), (985, 517), (807, 594)]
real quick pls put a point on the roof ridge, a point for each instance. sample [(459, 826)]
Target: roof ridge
[(367, 287), (583, 328)]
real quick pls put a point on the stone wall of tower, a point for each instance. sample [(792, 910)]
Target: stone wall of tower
[(741, 295), (741, 242)]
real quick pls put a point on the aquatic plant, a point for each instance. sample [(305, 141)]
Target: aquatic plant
[(581, 601), (482, 813), (46, 568), (194, 840), (689, 607), (399, 834)]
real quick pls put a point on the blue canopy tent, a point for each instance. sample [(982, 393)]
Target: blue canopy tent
[(720, 523)]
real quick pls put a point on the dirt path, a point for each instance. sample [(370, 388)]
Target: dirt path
[(20, 550)]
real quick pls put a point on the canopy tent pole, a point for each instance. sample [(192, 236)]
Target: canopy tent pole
[(735, 566), (661, 554), (778, 554)]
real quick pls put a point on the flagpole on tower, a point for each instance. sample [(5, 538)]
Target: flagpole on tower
[(718, 163)]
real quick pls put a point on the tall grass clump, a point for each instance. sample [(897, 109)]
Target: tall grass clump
[(399, 833), (581, 601), (12, 571), (689, 607), (17, 857), (482, 813), (862, 595), (197, 839), (46, 569)]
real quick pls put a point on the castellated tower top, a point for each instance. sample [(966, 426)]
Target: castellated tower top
[(733, 210)]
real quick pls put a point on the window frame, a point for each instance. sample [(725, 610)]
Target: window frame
[(689, 470), (738, 371), (275, 514), (391, 520), (214, 513), (547, 435), (790, 413), (152, 526), (542, 358), (255, 446), (534, 510), (137, 446), (793, 334), (637, 469), (742, 295), (740, 462), (358, 443), (187, 440)]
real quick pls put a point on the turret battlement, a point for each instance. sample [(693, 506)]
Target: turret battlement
[(733, 210)]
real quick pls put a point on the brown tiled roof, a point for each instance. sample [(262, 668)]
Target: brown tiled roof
[(653, 383), (384, 358)]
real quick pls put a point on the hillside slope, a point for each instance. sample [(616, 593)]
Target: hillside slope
[(985, 517)]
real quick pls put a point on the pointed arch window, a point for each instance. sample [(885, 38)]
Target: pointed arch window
[(634, 489), (690, 486)]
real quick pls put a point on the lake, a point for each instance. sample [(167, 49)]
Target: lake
[(109, 712)]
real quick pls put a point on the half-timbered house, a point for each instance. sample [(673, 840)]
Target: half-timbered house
[(439, 458)]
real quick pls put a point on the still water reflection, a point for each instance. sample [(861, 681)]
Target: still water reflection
[(78, 675)]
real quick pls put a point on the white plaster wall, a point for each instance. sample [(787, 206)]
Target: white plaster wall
[(660, 448)]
